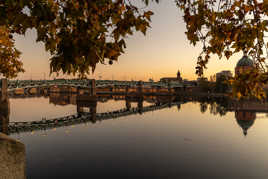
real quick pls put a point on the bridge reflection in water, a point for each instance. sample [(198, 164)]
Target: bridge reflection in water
[(87, 110)]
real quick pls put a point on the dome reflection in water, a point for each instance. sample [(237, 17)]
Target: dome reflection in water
[(245, 119)]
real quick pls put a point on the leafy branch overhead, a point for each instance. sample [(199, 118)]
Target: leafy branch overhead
[(78, 34), (226, 27), (9, 63)]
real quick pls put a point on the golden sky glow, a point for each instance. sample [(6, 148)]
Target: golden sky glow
[(160, 53)]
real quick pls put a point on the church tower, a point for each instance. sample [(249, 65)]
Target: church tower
[(179, 76)]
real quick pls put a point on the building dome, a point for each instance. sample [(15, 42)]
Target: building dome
[(244, 61)]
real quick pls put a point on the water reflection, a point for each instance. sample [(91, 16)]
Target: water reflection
[(216, 106), (245, 119), (176, 140), (245, 112)]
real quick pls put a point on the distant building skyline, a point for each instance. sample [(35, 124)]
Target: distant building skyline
[(160, 53), (172, 79)]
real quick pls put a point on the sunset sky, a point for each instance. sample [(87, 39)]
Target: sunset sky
[(161, 53)]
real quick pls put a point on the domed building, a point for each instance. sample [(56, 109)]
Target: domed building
[(245, 120), (244, 64)]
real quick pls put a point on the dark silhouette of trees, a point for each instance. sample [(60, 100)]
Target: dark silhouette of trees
[(222, 85)]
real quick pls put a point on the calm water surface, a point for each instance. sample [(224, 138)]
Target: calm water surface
[(176, 142)]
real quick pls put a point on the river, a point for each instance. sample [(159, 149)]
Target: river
[(187, 140)]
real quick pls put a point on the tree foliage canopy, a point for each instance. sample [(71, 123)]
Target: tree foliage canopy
[(78, 33), (226, 27), (81, 33)]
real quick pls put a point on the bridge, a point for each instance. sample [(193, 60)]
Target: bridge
[(19, 127), (12, 84), (16, 88), (34, 87)]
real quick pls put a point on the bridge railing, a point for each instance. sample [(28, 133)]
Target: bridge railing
[(87, 84), (31, 83)]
